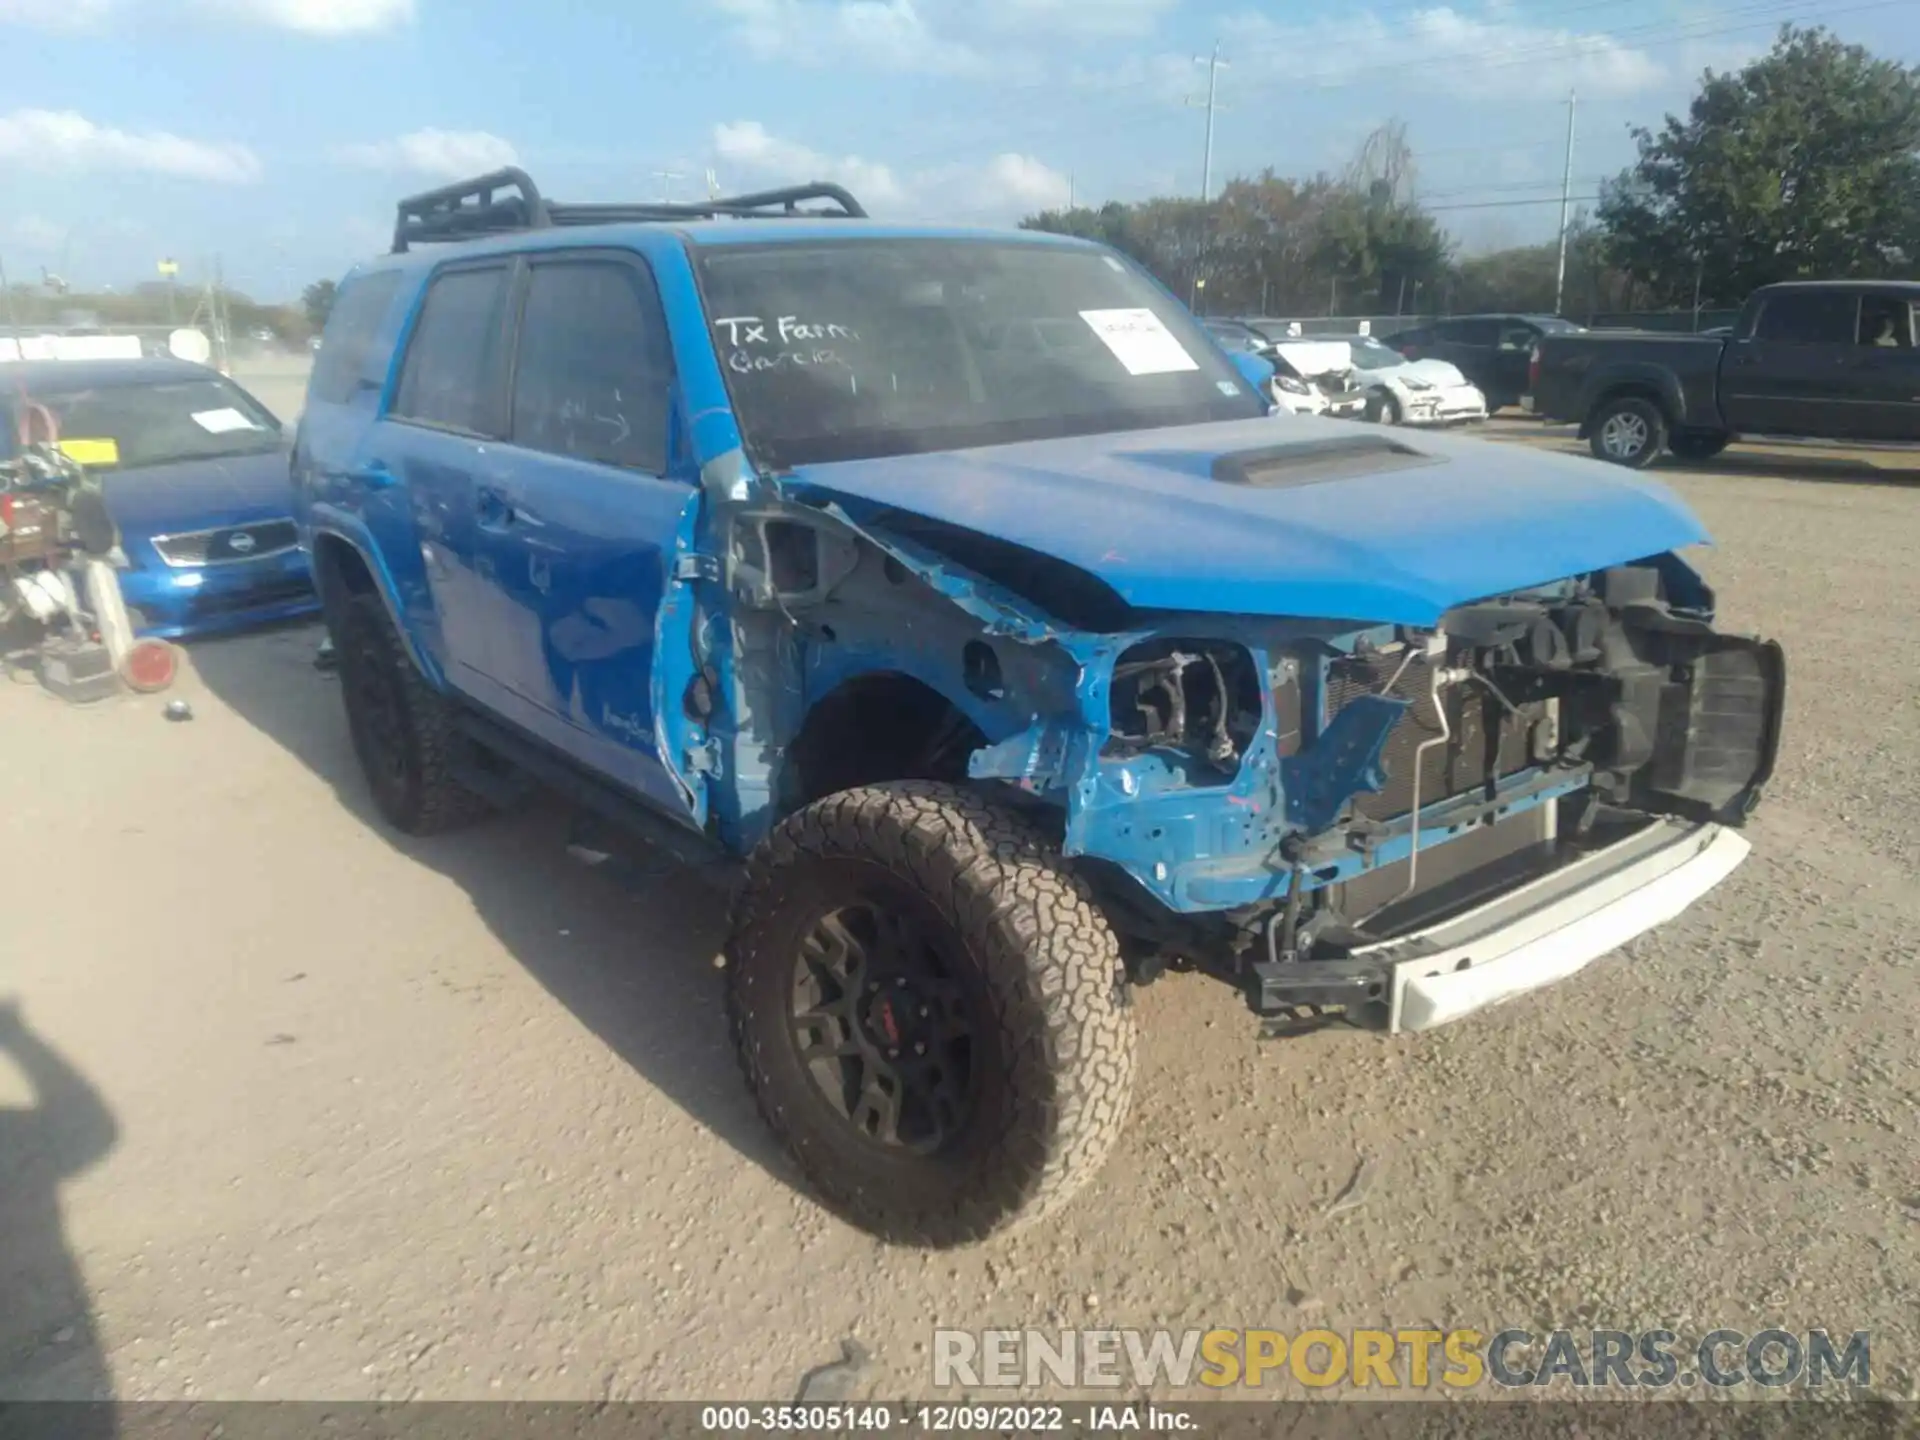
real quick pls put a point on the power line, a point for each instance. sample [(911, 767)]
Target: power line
[(1515, 204)]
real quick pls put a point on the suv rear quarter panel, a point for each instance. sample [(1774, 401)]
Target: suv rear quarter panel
[(338, 499)]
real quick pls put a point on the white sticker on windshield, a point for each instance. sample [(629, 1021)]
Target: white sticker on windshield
[(219, 422), (1139, 341)]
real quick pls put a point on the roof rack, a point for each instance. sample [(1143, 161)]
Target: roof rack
[(507, 201)]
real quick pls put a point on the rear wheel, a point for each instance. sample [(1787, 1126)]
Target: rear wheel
[(402, 727), (930, 1012), (1628, 431), (1699, 444)]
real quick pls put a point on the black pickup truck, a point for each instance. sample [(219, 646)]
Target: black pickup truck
[(1827, 360)]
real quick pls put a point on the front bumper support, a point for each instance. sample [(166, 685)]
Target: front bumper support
[(1539, 932)]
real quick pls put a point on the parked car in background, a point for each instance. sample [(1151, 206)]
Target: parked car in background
[(1827, 360), (1400, 391), (1288, 390), (1327, 366), (194, 471), (1490, 350)]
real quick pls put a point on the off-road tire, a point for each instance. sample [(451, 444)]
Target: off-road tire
[(1698, 445), (1039, 957), (1632, 415), (418, 793)]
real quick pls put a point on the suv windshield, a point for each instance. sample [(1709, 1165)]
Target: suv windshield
[(848, 350), (162, 422)]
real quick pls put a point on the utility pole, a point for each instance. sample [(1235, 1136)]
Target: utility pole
[(1214, 66), (1566, 200), (223, 358), (666, 179), (1070, 204)]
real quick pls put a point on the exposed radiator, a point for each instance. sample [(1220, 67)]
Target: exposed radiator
[(1488, 742)]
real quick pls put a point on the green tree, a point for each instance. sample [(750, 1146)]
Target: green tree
[(317, 301), (1803, 165)]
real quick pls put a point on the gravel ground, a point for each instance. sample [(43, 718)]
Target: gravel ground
[(324, 1113)]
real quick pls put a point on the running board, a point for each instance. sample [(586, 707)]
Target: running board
[(635, 817)]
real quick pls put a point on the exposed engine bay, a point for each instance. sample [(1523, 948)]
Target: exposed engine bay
[(1420, 771)]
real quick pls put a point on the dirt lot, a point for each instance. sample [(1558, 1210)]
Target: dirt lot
[(295, 1108)]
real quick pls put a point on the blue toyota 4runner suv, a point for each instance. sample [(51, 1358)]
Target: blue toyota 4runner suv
[(961, 588)]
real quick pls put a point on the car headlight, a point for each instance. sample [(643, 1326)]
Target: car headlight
[(1291, 385), (1414, 384)]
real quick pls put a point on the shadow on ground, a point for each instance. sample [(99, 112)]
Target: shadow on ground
[(629, 950), (50, 1346), (1889, 465)]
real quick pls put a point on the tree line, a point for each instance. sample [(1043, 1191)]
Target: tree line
[(1805, 164)]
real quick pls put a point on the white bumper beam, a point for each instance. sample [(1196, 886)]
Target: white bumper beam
[(1548, 929)]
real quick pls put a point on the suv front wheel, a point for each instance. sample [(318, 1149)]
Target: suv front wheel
[(930, 1011)]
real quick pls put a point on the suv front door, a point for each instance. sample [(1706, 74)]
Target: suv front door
[(583, 541)]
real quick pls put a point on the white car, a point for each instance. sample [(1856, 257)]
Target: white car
[(1287, 390), (1400, 391), (1327, 367)]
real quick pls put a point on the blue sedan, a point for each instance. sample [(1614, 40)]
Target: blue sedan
[(194, 471)]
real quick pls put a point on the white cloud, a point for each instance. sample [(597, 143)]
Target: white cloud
[(55, 14), (882, 34), (1000, 191), (747, 145), (447, 154), (67, 140), (972, 38), (1073, 18), (311, 17), (318, 17), (1488, 58), (1020, 182)]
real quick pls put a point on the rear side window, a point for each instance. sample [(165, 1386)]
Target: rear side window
[(593, 373), (346, 346), (448, 378), (1810, 317), (1469, 332)]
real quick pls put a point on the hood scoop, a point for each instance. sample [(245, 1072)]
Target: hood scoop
[(1313, 462)]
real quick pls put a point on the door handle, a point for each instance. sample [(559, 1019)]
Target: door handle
[(374, 475), (495, 507)]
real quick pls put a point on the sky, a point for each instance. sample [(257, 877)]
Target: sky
[(276, 135)]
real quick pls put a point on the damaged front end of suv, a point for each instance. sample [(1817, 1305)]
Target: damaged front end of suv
[(1400, 824), (1391, 822)]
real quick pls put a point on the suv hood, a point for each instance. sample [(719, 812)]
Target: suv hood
[(1355, 526)]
